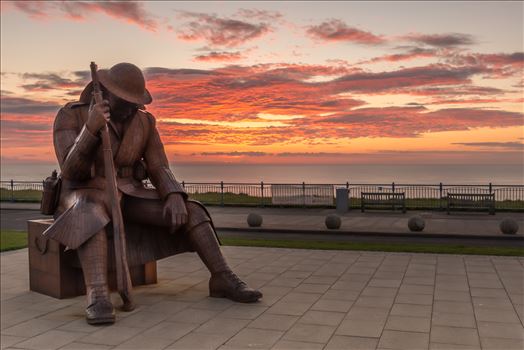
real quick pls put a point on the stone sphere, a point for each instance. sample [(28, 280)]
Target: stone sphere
[(416, 223), (254, 220), (333, 222), (509, 226)]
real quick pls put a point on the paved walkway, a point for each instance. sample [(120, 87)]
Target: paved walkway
[(312, 220), (312, 300)]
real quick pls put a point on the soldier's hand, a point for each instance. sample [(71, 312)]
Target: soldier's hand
[(175, 211), (98, 116)]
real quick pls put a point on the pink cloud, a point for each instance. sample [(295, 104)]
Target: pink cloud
[(216, 56)]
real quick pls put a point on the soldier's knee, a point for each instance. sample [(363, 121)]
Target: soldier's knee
[(196, 214)]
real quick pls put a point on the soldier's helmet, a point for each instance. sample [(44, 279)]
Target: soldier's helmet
[(124, 80)]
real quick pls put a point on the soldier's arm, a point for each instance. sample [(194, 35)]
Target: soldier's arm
[(158, 166), (75, 150)]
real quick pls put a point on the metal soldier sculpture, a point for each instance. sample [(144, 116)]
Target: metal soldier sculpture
[(159, 222)]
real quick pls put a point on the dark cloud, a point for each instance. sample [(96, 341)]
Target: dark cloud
[(18, 105), (219, 31), (222, 56), (337, 30), (442, 40), (505, 145), (51, 81), (127, 11)]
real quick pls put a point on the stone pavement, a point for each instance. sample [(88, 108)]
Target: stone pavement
[(312, 300)]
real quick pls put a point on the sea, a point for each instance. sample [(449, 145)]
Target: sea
[(478, 174)]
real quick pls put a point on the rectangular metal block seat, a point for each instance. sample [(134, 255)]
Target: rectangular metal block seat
[(56, 272)]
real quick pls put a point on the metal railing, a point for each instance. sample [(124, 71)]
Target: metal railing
[(418, 196)]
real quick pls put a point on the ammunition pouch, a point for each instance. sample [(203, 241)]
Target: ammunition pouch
[(51, 194)]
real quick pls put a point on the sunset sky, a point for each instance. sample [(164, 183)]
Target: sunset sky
[(280, 82)]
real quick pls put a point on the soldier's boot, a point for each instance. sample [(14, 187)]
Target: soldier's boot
[(93, 258), (223, 282)]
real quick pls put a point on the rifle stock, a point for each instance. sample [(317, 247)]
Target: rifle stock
[(119, 237)]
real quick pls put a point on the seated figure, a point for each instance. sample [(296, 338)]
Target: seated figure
[(173, 222)]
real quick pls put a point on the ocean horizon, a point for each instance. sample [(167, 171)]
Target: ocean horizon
[(477, 174)]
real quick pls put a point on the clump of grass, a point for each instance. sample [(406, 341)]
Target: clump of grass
[(11, 240)]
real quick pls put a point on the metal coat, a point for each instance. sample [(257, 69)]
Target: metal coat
[(83, 206)]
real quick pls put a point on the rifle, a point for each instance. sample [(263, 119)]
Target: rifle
[(123, 281)]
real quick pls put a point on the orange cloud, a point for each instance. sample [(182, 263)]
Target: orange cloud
[(215, 56)]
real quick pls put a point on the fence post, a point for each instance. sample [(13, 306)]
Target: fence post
[(490, 188), (349, 195), (222, 193), (393, 187), (441, 191), (12, 191), (184, 185), (262, 191), (304, 194)]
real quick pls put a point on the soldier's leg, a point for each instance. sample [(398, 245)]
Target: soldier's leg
[(223, 282), (202, 237), (93, 258)]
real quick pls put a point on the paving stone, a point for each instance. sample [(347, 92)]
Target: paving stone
[(453, 320), (142, 319), (32, 327), (85, 346), (407, 323), (219, 325), (8, 340), (500, 330), (312, 288), (332, 305), (309, 333), (167, 307), (440, 346), (50, 340), (170, 330), (113, 335), (453, 307), (200, 341), (368, 313), (385, 302), (243, 311), (496, 315), (253, 338), (361, 328), (454, 335), (450, 295), (322, 318), (403, 340), (379, 292), (144, 342), (289, 308), (274, 322), (411, 310), (341, 342), (191, 315), (341, 295), (501, 343), (415, 289), (291, 345), (417, 299)]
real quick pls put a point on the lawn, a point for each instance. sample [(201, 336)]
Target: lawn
[(11, 240), (382, 247)]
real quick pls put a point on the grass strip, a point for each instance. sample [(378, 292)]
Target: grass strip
[(11, 240), (382, 247)]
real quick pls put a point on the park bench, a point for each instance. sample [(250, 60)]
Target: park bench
[(383, 200), (56, 272), (476, 201)]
